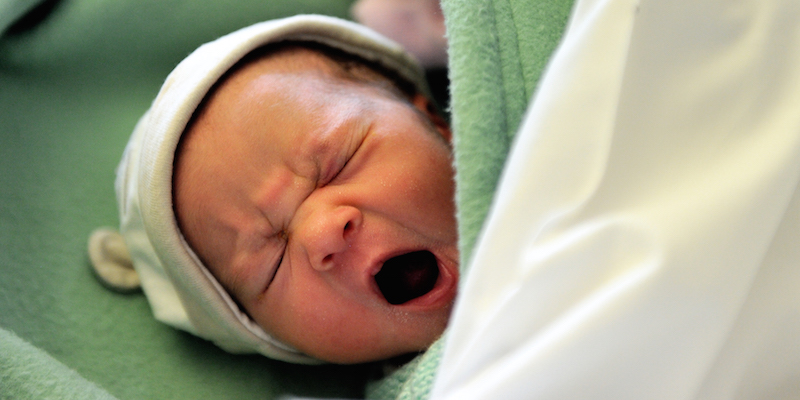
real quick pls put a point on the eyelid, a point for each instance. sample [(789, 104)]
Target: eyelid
[(277, 265), (338, 170), (352, 150)]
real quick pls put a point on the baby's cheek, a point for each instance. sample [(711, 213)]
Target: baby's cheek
[(336, 331)]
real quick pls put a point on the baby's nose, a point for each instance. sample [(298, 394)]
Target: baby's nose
[(328, 233)]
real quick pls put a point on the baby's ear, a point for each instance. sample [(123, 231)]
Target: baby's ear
[(423, 104)]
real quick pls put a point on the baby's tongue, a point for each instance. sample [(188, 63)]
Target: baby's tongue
[(408, 276)]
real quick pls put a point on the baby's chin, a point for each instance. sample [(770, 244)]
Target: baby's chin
[(419, 285), (357, 352)]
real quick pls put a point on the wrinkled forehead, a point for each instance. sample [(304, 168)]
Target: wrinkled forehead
[(266, 85), (328, 62), (291, 59)]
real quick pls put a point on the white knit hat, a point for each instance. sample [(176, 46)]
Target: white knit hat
[(181, 291)]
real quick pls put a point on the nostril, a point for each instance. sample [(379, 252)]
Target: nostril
[(408, 276), (327, 234), (352, 217)]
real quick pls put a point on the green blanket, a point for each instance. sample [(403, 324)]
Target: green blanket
[(74, 78), (498, 50)]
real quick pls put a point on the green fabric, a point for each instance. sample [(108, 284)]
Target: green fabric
[(498, 50), (413, 381), (71, 90), (11, 10), (28, 373)]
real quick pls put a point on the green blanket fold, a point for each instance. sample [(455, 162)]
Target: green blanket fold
[(498, 50), (26, 372)]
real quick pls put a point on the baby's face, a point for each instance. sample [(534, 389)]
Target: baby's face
[(295, 188)]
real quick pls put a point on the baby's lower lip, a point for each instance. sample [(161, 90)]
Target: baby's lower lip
[(408, 276), (442, 293)]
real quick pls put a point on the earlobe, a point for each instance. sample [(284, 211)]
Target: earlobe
[(423, 104)]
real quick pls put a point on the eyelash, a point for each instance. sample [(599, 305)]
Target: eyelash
[(275, 270), (285, 237), (350, 158), (336, 175)]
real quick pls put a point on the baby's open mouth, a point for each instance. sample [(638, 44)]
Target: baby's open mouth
[(405, 277)]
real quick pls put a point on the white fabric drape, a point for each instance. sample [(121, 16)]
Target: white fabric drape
[(644, 242)]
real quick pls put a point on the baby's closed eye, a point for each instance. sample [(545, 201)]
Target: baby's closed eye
[(336, 154), (284, 237)]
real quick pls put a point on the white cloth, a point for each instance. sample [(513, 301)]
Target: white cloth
[(644, 242)]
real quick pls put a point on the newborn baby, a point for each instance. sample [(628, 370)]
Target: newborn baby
[(290, 192)]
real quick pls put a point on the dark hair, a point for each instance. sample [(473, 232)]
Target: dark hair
[(349, 63), (392, 82)]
